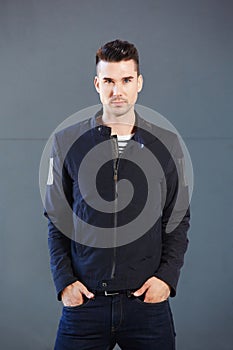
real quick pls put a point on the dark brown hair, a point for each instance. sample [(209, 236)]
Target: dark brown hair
[(118, 50)]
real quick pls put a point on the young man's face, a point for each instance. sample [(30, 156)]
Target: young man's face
[(118, 85)]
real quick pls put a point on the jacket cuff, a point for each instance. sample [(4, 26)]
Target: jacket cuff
[(170, 278)]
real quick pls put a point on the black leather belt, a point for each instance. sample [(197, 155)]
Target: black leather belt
[(108, 293)]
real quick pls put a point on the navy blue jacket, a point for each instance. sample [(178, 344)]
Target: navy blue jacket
[(76, 253)]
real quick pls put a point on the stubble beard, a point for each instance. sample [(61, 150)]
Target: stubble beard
[(119, 111)]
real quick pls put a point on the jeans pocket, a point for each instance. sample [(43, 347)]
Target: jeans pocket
[(86, 301), (140, 300)]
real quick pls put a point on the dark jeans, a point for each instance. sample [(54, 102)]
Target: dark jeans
[(128, 321)]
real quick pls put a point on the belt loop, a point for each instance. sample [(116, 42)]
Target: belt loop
[(129, 293)]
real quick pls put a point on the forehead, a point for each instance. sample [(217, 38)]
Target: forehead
[(117, 69)]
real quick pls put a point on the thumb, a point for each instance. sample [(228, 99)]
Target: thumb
[(89, 295), (86, 292), (140, 291)]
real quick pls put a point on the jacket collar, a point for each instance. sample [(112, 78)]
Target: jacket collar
[(143, 129)]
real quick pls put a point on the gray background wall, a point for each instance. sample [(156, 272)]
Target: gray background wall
[(47, 53)]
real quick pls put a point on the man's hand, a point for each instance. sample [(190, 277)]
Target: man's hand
[(156, 290), (72, 295)]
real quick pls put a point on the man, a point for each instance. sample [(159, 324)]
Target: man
[(115, 279)]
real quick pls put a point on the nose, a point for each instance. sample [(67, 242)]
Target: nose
[(116, 90)]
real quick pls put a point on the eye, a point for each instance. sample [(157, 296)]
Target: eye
[(107, 81), (127, 80)]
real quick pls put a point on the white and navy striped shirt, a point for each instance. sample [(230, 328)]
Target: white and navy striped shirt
[(123, 141)]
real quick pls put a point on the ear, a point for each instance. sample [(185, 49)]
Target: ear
[(140, 82), (97, 83)]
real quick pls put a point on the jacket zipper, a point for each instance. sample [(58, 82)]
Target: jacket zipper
[(115, 178)]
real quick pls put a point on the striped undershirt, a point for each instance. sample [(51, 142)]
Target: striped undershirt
[(123, 141)]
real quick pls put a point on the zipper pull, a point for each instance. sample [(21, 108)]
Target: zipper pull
[(115, 175)]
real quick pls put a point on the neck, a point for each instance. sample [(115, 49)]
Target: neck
[(120, 125)]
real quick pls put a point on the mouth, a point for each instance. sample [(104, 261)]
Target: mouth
[(118, 102)]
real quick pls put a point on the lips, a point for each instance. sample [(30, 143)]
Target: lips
[(118, 102)]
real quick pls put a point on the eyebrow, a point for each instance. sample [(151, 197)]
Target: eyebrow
[(129, 77)]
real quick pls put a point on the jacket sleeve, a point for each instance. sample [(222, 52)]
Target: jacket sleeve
[(58, 202), (175, 220)]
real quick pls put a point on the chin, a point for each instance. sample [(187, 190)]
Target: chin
[(119, 111)]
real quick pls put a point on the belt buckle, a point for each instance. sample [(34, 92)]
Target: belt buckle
[(107, 294)]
